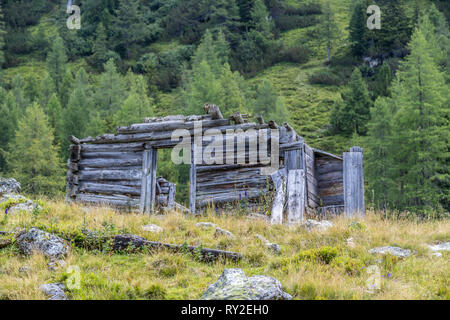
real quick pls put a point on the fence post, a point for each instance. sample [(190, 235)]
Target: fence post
[(354, 182)]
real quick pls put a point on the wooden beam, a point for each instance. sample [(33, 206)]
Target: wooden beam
[(354, 183), (296, 196), (193, 181), (279, 179), (213, 110)]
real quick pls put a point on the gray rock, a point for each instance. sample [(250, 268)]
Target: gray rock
[(152, 228), (395, 251), (9, 186), (274, 247), (233, 284), (205, 225), (437, 254), (28, 206), (55, 291), (223, 232), (440, 247), (314, 225), (36, 240), (10, 196)]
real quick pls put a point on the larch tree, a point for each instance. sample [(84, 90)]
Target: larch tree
[(32, 158)]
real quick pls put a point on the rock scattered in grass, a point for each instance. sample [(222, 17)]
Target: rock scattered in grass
[(205, 225), (233, 284), (55, 291), (395, 251), (274, 247), (440, 247), (56, 264), (26, 270), (36, 240), (152, 228), (9, 186), (314, 225), (223, 232)]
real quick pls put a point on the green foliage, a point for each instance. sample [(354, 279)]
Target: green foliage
[(269, 104), (353, 113), (358, 29), (323, 254), (56, 62), (32, 158)]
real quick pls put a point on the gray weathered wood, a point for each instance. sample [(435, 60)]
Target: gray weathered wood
[(279, 179), (107, 163), (150, 189), (115, 147), (260, 119), (237, 117), (296, 196), (146, 165), (171, 196), (170, 125), (108, 189), (99, 175), (193, 181), (213, 110), (116, 200), (354, 182)]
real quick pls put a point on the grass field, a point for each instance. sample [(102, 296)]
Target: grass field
[(312, 265)]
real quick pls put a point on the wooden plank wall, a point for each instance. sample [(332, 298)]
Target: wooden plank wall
[(354, 182), (330, 183)]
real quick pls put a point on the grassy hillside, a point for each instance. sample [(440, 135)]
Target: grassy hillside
[(312, 265)]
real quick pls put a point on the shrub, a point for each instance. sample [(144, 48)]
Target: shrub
[(350, 265), (295, 54), (323, 255), (326, 78), (286, 23)]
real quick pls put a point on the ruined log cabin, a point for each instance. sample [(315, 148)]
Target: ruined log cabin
[(231, 160)]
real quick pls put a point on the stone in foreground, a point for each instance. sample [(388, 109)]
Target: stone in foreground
[(440, 247), (152, 228), (55, 291), (36, 240), (233, 284), (395, 251), (8, 186), (313, 225)]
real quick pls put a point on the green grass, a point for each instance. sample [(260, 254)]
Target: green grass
[(316, 265)]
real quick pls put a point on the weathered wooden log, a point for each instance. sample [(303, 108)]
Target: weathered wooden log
[(111, 155), (114, 201), (74, 140), (329, 166), (229, 196), (116, 147), (171, 196), (193, 181), (273, 125), (101, 175), (75, 153), (260, 119), (237, 117), (124, 242), (224, 167), (107, 163), (320, 153), (169, 126), (213, 110), (291, 145), (166, 118), (293, 159), (108, 189), (296, 196), (280, 181)]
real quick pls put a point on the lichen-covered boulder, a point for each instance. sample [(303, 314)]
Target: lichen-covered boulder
[(233, 284), (9, 186), (223, 232), (314, 225), (395, 251), (205, 225), (55, 291), (36, 240), (274, 247), (27, 206)]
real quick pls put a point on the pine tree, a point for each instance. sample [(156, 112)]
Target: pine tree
[(358, 29), (421, 127), (328, 29), (32, 157), (138, 104), (8, 122), (383, 80), (46, 91), (234, 97), (260, 18), (76, 114), (268, 103), (109, 95), (207, 51), (378, 154), (2, 37), (353, 113), (53, 110), (56, 62), (18, 90), (100, 48)]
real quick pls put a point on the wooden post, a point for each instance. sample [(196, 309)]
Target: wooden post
[(193, 180), (354, 182), (296, 196), (279, 179), (171, 197), (148, 181)]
